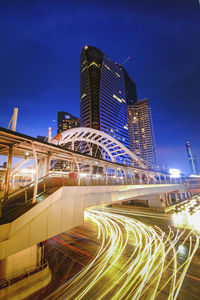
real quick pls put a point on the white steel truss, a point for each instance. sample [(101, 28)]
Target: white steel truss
[(98, 144)]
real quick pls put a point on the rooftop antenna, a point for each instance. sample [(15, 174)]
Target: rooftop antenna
[(14, 119), (124, 62)]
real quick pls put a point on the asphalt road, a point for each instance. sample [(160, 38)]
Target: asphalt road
[(122, 253)]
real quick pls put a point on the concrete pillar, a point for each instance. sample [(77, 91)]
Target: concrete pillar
[(9, 164), (19, 263), (156, 200)]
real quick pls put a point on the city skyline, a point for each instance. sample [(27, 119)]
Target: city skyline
[(40, 63)]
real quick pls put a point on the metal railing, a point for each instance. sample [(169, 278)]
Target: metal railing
[(17, 276), (18, 202)]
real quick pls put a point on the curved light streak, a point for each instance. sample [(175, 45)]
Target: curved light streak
[(152, 255)]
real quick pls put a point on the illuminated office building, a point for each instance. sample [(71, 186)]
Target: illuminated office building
[(66, 121), (141, 132), (130, 88), (103, 95), (192, 160)]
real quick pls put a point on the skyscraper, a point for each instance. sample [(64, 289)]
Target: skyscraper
[(66, 121), (192, 160), (103, 94), (141, 132), (130, 87)]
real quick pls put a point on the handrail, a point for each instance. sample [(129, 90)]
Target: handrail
[(26, 187), (19, 275), (20, 201)]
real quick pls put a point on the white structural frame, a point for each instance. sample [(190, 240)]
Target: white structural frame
[(91, 137)]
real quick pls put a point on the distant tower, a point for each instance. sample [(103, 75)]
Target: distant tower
[(141, 132), (192, 160), (66, 121)]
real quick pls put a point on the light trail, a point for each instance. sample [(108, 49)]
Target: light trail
[(134, 261)]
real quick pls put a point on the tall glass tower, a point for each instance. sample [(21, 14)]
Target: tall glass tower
[(103, 95), (192, 160), (141, 132)]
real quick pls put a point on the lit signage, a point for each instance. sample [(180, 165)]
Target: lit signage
[(67, 117), (175, 173)]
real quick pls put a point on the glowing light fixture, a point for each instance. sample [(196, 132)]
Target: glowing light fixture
[(175, 173)]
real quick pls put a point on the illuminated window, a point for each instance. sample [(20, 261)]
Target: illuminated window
[(94, 64), (134, 120), (117, 98), (117, 74), (107, 67), (125, 127), (84, 69), (83, 96)]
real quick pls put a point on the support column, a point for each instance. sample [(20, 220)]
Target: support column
[(154, 200), (36, 173), (170, 199), (9, 164), (47, 163), (176, 197)]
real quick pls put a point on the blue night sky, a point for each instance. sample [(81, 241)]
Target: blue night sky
[(40, 62)]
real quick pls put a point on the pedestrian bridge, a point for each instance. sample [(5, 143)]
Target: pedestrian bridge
[(96, 170), (61, 207)]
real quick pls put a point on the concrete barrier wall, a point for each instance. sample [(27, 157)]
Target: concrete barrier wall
[(63, 210)]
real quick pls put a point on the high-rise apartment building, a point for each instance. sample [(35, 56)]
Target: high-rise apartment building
[(141, 132), (192, 160), (103, 95), (66, 121)]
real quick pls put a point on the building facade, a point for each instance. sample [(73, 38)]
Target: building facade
[(130, 87), (192, 160), (66, 121), (141, 132), (103, 95)]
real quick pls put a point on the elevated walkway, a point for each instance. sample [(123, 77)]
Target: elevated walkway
[(60, 207)]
